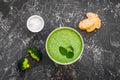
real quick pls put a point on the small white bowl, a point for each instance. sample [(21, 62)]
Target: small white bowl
[(35, 23)]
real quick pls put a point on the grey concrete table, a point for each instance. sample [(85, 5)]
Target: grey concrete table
[(100, 59)]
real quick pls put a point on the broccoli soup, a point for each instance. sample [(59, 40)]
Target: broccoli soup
[(64, 45)]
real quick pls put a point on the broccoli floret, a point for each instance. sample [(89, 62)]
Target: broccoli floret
[(34, 53), (23, 64)]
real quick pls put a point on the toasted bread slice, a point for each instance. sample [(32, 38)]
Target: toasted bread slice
[(91, 23), (86, 23)]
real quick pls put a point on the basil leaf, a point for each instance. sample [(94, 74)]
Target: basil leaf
[(70, 55), (62, 50), (70, 51)]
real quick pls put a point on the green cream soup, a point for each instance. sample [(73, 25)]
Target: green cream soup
[(64, 45)]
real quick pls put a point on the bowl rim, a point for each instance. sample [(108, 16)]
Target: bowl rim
[(80, 55)]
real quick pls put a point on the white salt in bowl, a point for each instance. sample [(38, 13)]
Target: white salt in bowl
[(35, 23)]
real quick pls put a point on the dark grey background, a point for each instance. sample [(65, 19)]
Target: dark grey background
[(100, 59)]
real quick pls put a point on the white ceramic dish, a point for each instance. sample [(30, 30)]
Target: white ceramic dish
[(35, 23)]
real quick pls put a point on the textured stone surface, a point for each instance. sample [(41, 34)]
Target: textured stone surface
[(100, 59)]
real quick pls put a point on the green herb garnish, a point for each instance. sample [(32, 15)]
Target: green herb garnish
[(70, 55), (68, 52), (62, 50)]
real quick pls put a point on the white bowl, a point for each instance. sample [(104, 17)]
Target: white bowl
[(35, 23)]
